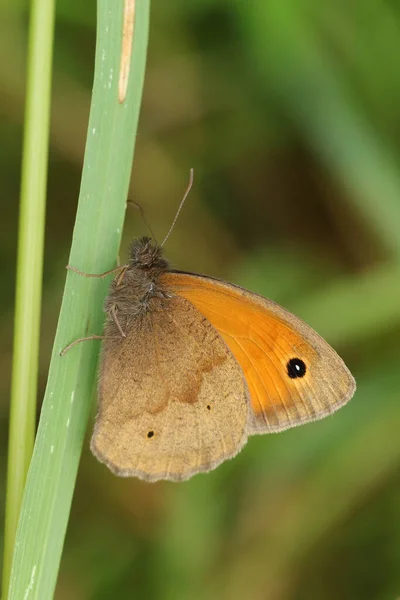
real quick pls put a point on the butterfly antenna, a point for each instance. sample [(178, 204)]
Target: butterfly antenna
[(137, 205), (189, 187)]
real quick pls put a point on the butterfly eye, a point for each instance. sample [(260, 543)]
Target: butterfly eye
[(296, 368)]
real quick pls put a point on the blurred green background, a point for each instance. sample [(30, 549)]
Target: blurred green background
[(289, 112)]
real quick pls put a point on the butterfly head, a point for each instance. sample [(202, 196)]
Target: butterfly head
[(146, 256)]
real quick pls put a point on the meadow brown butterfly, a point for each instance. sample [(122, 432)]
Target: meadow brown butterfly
[(191, 366)]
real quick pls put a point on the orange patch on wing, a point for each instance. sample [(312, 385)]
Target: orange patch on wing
[(259, 340)]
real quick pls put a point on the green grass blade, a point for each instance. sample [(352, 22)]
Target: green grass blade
[(29, 268), (105, 178)]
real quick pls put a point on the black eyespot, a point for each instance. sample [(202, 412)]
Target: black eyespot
[(208, 407), (150, 434), (296, 368)]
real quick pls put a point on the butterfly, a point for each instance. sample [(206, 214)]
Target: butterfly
[(192, 366)]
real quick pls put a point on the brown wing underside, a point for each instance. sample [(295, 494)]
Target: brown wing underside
[(263, 337), (172, 399)]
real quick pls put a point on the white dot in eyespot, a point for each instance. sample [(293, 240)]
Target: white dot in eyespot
[(296, 368)]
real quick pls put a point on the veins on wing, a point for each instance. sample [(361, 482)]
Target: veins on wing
[(207, 362), (261, 380), (163, 380), (183, 353)]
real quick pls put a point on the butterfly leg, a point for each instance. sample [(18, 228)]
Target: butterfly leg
[(122, 269), (113, 312), (86, 339), (99, 275), (78, 341)]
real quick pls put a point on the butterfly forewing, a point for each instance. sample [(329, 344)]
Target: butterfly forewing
[(293, 375)]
